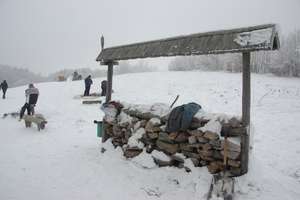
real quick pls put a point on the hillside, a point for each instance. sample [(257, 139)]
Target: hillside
[(18, 76), (64, 160)]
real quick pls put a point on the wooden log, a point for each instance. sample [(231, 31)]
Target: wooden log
[(196, 133), (139, 114), (234, 163), (232, 155), (192, 139), (167, 147), (189, 147), (202, 140), (148, 141), (182, 137), (195, 161), (235, 171), (176, 160), (165, 138), (217, 155), (131, 152), (216, 144), (186, 147), (107, 131), (215, 167), (152, 135), (203, 153), (191, 155), (231, 146), (206, 147), (229, 131), (197, 123), (162, 163), (117, 131), (211, 135)]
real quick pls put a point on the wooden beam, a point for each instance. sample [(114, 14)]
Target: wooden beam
[(246, 101), (108, 95), (107, 62), (109, 81), (246, 89)]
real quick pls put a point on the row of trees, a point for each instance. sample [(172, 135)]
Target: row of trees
[(124, 67), (284, 62), (18, 76)]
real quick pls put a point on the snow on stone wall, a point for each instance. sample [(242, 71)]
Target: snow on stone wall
[(202, 142)]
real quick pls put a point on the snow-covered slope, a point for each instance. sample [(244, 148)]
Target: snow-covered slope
[(64, 160)]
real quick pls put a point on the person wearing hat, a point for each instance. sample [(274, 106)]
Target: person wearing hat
[(31, 94)]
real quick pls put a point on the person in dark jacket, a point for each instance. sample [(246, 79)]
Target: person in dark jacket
[(88, 82), (4, 87), (31, 94), (103, 87)]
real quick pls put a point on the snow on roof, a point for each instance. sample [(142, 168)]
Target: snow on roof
[(257, 37)]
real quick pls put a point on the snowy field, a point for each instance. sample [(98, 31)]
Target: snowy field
[(64, 160)]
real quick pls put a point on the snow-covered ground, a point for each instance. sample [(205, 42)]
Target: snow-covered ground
[(64, 160)]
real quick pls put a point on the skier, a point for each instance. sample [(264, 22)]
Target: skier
[(88, 82), (4, 87), (31, 94)]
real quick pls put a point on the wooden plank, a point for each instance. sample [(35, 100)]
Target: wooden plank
[(107, 62), (91, 102), (246, 112), (229, 131)]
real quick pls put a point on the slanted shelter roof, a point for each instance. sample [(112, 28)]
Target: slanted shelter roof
[(255, 38)]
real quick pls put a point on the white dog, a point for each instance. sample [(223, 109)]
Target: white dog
[(38, 119)]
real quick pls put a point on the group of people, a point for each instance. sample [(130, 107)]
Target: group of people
[(88, 82), (32, 94)]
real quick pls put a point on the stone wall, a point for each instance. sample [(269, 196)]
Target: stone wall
[(139, 127)]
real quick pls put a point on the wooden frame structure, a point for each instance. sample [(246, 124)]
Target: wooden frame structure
[(241, 40)]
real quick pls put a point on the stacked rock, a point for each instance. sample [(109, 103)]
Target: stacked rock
[(136, 129)]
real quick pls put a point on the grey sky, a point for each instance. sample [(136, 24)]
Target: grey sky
[(49, 35)]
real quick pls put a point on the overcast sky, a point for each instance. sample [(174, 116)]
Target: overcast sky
[(48, 35)]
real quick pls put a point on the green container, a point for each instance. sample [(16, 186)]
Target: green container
[(99, 129)]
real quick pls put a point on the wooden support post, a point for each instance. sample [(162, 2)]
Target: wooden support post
[(109, 81), (110, 64), (246, 112)]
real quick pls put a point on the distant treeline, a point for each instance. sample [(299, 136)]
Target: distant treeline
[(285, 62), (19, 76)]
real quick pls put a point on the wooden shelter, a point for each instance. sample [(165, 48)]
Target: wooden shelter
[(241, 40)]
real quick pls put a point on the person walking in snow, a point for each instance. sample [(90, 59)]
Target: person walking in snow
[(4, 87), (31, 94), (88, 82)]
